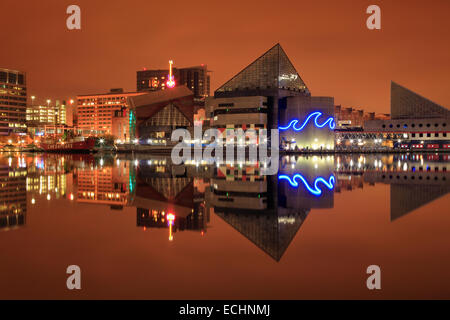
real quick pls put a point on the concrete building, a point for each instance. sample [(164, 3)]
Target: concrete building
[(238, 112), (13, 102), (197, 79), (351, 118), (95, 113)]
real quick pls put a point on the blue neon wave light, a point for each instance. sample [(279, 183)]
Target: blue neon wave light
[(314, 190), (316, 115)]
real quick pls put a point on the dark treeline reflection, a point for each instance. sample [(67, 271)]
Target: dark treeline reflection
[(267, 210)]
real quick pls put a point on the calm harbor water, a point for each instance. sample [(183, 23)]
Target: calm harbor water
[(142, 228)]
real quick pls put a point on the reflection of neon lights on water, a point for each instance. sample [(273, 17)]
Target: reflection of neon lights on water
[(316, 115), (314, 190)]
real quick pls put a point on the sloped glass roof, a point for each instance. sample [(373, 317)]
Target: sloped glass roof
[(406, 104), (273, 70)]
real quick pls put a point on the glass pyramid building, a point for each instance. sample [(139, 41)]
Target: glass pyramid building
[(272, 70), (406, 104)]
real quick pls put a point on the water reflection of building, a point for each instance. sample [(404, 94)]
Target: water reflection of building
[(105, 183), (265, 210), (13, 194), (164, 191), (314, 182), (194, 221), (270, 228), (238, 186), (269, 231), (48, 175), (415, 180)]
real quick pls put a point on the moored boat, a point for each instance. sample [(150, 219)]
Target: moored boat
[(74, 145)]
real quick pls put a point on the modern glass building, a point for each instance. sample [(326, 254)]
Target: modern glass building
[(406, 104), (272, 70), (270, 93), (160, 112)]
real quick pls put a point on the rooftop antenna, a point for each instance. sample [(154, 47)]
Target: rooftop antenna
[(170, 81)]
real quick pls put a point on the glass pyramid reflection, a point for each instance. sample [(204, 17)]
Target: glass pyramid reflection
[(272, 70)]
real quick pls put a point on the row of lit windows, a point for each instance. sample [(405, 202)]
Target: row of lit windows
[(420, 125), (103, 99), (97, 116), (105, 108), (7, 103), (413, 178), (429, 135), (12, 118), (100, 104), (13, 98), (239, 111), (10, 86), (99, 121), (13, 109)]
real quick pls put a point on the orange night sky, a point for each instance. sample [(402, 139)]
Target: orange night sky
[(327, 41)]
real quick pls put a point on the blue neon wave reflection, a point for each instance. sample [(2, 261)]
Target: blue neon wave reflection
[(316, 115), (314, 190)]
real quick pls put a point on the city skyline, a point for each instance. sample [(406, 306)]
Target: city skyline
[(358, 74), (224, 158)]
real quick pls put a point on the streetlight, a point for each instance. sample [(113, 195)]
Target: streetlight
[(32, 100)]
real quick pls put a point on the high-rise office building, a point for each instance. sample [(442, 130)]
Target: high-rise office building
[(195, 78), (13, 102)]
